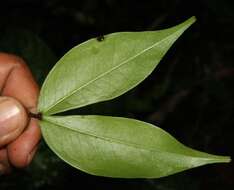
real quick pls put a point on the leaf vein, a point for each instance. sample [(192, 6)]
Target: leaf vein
[(109, 71), (130, 144)]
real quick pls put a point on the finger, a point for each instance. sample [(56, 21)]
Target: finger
[(13, 119), (17, 81), (4, 163), (22, 150)]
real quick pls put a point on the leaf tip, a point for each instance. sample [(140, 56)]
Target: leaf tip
[(192, 19), (227, 159), (221, 159), (187, 23)]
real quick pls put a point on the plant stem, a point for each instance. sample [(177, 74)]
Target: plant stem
[(35, 115)]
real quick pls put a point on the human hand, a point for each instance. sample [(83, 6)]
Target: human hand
[(19, 134)]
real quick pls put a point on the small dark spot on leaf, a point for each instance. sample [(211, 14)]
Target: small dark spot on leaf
[(100, 38)]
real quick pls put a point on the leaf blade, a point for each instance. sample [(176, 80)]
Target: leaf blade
[(99, 71), (120, 147)]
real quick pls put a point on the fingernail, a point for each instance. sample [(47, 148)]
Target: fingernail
[(9, 113), (13, 119)]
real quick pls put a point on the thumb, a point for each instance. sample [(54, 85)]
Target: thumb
[(13, 119)]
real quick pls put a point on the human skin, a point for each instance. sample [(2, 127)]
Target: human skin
[(19, 134)]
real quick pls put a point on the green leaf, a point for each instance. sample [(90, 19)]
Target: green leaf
[(120, 147), (100, 70)]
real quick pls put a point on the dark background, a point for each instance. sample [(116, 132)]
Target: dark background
[(190, 94)]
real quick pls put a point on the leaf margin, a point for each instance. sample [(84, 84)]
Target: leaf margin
[(207, 160), (186, 24)]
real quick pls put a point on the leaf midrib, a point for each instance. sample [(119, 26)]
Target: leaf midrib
[(130, 144), (109, 71)]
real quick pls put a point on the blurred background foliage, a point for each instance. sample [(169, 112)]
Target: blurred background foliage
[(190, 94)]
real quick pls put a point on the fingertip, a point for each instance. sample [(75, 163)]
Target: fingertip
[(22, 150), (13, 119)]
